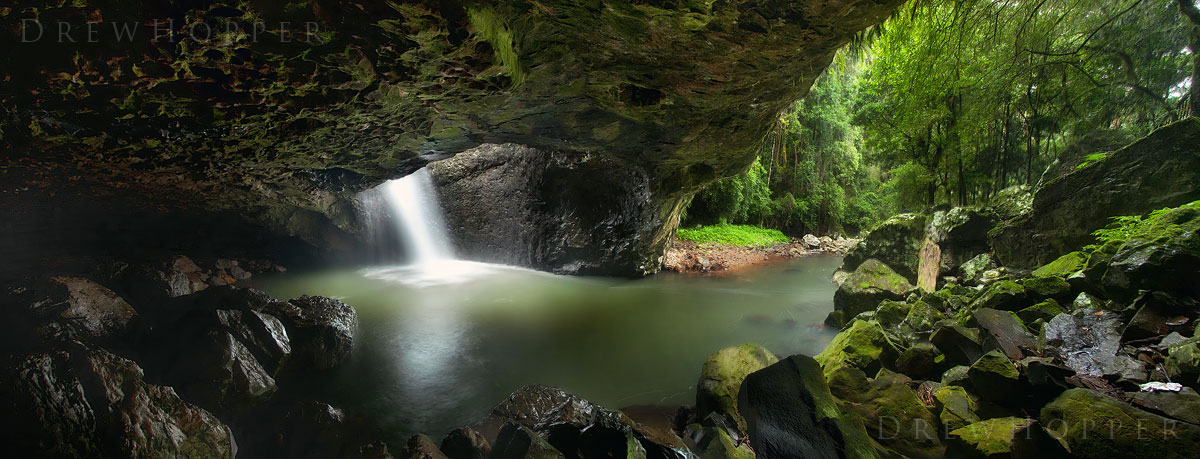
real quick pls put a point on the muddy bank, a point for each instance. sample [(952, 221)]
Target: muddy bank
[(692, 257)]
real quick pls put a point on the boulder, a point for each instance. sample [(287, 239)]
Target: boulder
[(922, 360), (1064, 266), (1002, 330), (992, 438), (1183, 405), (1183, 361), (960, 344), (715, 443), (321, 330), (1043, 288), (87, 311), (1089, 341), (1096, 426), (811, 241), (972, 270), (312, 430), (896, 242), (211, 367), (466, 443), (1004, 295), (1158, 171), (862, 345), (1159, 314), (871, 283), (995, 378), (516, 441), (1012, 201), (1043, 311), (895, 416), (790, 412), (956, 376), (1163, 254), (91, 403), (961, 235), (956, 407), (721, 378), (420, 446)]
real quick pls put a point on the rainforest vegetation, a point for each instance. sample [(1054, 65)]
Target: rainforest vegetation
[(952, 101)]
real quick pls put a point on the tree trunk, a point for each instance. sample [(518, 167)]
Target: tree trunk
[(1189, 9)]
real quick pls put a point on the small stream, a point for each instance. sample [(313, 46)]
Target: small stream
[(438, 347)]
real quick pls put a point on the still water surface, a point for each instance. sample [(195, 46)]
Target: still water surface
[(437, 348)]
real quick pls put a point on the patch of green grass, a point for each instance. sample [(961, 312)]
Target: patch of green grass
[(732, 235)]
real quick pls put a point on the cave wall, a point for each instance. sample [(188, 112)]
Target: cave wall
[(577, 214), (303, 103)]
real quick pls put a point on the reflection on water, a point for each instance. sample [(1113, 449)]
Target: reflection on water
[(439, 344)]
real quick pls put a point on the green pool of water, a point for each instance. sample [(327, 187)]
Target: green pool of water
[(437, 349)]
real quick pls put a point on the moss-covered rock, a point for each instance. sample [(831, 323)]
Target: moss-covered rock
[(995, 378), (1158, 171), (871, 283), (1063, 266), (1043, 311), (972, 270), (956, 376), (896, 242), (722, 375), (896, 417), (791, 413), (1183, 361), (1095, 426), (1054, 287), (1004, 295), (863, 345), (956, 407), (960, 344), (921, 360), (992, 438), (1162, 254)]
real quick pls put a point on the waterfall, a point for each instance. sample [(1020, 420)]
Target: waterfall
[(404, 220)]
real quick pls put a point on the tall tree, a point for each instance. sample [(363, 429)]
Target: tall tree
[(1189, 9)]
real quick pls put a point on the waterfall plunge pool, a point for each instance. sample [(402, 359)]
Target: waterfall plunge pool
[(440, 343)]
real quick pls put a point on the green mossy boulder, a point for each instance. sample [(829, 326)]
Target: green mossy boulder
[(960, 344), (956, 407), (871, 283), (863, 345), (1096, 426), (1043, 311), (1183, 405), (1063, 266), (1050, 287), (1004, 295), (722, 375), (995, 378), (1160, 170), (972, 270), (791, 412), (992, 438), (956, 376), (921, 361), (1183, 361), (896, 242), (896, 417), (1163, 254)]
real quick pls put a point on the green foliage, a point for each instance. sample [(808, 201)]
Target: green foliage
[(1123, 227), (725, 233)]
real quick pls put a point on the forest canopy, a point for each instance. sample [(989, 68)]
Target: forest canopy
[(951, 101)]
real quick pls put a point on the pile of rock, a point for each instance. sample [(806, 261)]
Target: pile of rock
[(839, 245), (1096, 353), (181, 368)]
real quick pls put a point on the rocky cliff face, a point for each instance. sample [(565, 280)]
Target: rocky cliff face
[(1160, 170), (278, 111)]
